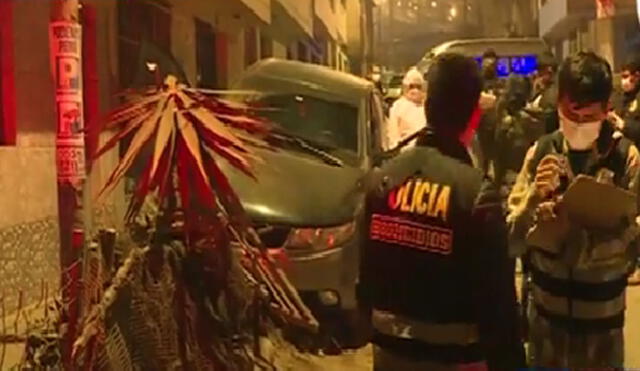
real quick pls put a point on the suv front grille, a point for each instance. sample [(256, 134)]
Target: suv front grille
[(273, 236)]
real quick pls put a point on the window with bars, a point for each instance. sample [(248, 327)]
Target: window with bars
[(140, 22), (250, 46), (206, 56), (266, 47), (303, 52)]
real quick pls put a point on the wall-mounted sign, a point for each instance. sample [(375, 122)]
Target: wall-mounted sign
[(66, 49)]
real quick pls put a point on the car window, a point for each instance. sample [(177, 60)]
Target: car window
[(332, 126)]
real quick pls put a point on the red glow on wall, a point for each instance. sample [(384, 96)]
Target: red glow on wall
[(8, 131), (222, 57), (91, 81)]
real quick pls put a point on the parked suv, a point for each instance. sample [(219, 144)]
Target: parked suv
[(308, 201)]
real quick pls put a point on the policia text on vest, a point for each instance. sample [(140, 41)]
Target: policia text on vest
[(419, 197)]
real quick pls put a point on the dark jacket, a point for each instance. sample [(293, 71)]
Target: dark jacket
[(543, 105), (437, 253), (570, 266), (548, 96), (489, 118), (517, 130), (627, 106)]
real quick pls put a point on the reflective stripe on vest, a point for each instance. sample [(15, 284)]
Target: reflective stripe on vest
[(433, 333), (579, 309), (559, 270)]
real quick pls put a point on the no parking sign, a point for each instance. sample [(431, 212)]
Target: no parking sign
[(66, 52)]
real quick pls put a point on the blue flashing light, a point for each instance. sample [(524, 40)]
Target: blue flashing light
[(523, 65)]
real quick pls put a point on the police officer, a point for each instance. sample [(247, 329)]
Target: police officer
[(626, 114), (544, 97), (626, 103), (516, 130), (576, 313), (436, 271)]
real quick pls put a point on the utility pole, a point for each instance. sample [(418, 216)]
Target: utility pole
[(65, 40)]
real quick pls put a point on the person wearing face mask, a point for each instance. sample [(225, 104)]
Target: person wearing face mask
[(626, 115), (577, 301), (406, 116), (435, 267), (626, 103)]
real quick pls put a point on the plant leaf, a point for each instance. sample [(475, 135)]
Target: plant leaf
[(145, 132), (166, 126), (163, 173), (182, 165), (235, 159), (209, 121), (142, 189), (132, 110), (116, 138), (192, 142), (226, 194), (211, 139)]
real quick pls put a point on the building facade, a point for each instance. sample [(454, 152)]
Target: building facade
[(406, 29), (360, 35), (29, 248), (610, 28), (207, 43)]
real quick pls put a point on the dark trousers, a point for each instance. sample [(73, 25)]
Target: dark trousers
[(386, 360)]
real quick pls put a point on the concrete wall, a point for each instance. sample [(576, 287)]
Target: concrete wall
[(610, 40), (325, 13), (341, 22), (183, 43), (262, 8), (236, 54), (28, 228), (607, 37), (301, 11), (29, 247)]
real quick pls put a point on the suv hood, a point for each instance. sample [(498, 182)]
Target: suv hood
[(297, 190)]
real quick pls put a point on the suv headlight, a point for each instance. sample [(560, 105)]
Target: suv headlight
[(320, 238)]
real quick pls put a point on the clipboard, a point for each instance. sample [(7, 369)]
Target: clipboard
[(599, 205)]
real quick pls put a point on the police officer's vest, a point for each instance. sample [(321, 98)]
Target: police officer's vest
[(576, 299), (416, 252)]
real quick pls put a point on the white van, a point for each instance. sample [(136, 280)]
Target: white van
[(515, 55)]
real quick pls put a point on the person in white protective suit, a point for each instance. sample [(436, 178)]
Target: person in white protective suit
[(407, 115)]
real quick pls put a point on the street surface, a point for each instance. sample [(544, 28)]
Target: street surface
[(362, 359)]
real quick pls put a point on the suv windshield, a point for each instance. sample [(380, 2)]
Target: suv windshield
[(331, 126)]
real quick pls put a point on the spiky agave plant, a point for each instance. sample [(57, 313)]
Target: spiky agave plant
[(190, 131)]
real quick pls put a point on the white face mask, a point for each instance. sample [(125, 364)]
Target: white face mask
[(580, 136), (415, 95), (627, 84)]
